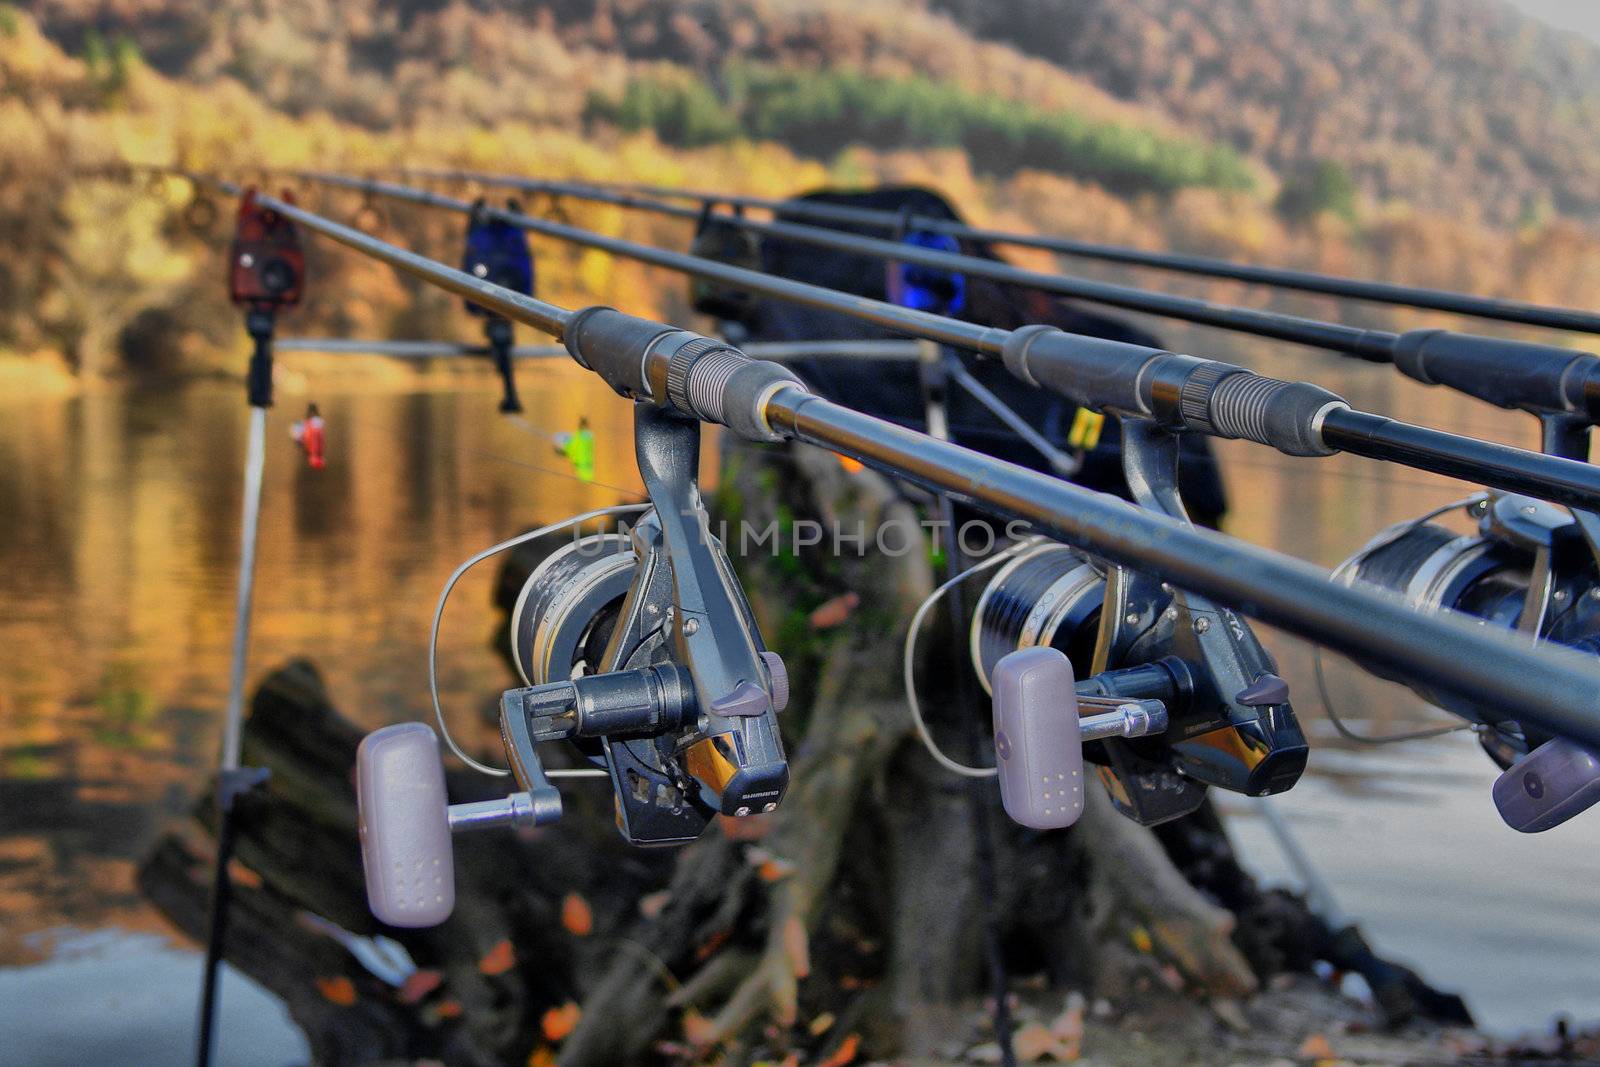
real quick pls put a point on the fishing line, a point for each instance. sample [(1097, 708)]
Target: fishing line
[(908, 667), (438, 614)]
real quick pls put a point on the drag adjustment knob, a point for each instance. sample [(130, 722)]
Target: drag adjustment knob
[(780, 680)]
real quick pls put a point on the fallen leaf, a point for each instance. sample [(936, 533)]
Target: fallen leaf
[(1069, 1024), (1033, 1043), (1316, 1047), (418, 984), (822, 1024), (339, 990), (499, 959), (243, 876), (653, 904), (797, 945), (541, 1057), (833, 612), (985, 1053), (775, 870), (712, 943), (845, 1053), (557, 1023), (698, 1030), (576, 916), (791, 1060), (745, 827), (448, 1009), (1141, 939), (1067, 1028)]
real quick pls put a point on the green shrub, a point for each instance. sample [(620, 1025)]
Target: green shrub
[(110, 64), (1325, 188), (820, 112), (682, 111)]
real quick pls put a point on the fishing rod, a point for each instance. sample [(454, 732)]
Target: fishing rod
[(1181, 392), (664, 367), (777, 351), (1546, 380), (1482, 307)]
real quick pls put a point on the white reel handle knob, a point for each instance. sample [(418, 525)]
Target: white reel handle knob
[(1037, 742), (405, 826)]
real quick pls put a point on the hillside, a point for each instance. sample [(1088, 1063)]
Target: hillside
[(1461, 105), (1465, 103), (763, 96)]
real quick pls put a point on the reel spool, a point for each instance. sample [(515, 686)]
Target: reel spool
[(1435, 568), (1527, 569), (1048, 597), (568, 606)]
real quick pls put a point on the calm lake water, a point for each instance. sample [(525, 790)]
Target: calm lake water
[(118, 543)]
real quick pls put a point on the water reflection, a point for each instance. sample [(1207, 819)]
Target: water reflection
[(118, 542), (118, 539)]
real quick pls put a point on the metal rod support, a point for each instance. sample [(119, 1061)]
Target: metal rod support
[(254, 464)]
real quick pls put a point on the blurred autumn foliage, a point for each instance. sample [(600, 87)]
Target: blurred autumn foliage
[(1434, 142)]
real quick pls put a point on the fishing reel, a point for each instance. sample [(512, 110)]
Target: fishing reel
[(1229, 722), (1532, 568), (498, 253), (640, 648), (268, 267)]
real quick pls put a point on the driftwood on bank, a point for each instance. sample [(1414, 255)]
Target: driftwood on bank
[(849, 919)]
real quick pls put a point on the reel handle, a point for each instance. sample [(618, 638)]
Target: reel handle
[(1548, 786), (1039, 731), (406, 821), (1038, 751)]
